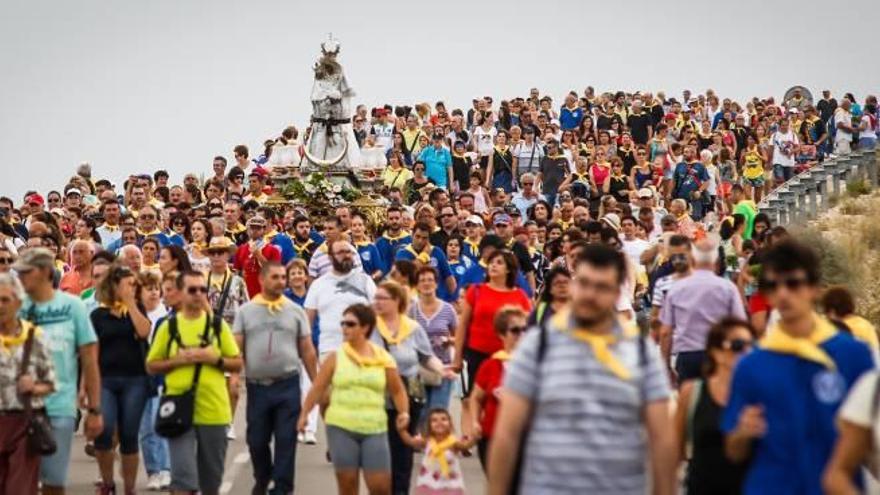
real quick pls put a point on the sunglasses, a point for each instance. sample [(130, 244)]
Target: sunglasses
[(197, 290), (737, 345), (147, 217), (516, 330), (349, 323), (792, 284), (217, 253), (7, 261)]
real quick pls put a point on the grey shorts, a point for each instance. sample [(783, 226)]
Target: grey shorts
[(53, 468), (350, 450), (197, 459)]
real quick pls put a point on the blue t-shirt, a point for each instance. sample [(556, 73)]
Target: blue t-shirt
[(458, 269), (688, 179), (284, 244), (388, 246), (476, 274), (370, 259), (437, 163), (800, 399), (438, 261), (570, 119), (66, 327)]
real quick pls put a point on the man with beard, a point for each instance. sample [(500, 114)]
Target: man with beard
[(692, 306), (321, 262), (330, 294), (303, 243), (621, 412)]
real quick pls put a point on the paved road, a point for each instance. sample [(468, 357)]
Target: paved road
[(313, 473)]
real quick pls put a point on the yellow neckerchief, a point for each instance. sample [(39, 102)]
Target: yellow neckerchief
[(111, 228), (200, 246), (501, 150), (437, 450), (270, 236), (424, 257), (145, 267), (474, 245), (599, 343), (219, 284), (323, 247), (807, 348), (461, 156), (379, 358), (259, 198), (7, 342), (556, 157), (405, 328), (365, 242), (147, 234), (273, 306), (501, 355), (565, 224), (398, 237), (300, 248), (617, 177), (582, 176), (236, 229), (117, 307)]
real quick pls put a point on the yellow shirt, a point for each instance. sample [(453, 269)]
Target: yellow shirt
[(396, 178), (212, 398), (357, 403)]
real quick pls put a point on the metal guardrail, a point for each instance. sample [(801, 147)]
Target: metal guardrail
[(807, 194)]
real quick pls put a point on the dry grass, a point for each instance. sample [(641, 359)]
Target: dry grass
[(848, 241)]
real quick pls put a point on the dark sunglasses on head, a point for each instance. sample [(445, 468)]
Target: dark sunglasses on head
[(738, 345), (348, 323), (197, 290), (516, 330), (792, 284)]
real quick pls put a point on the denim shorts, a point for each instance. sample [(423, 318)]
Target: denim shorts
[(781, 173), (53, 468)]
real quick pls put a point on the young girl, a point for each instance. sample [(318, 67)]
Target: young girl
[(458, 264), (440, 473), (481, 196)]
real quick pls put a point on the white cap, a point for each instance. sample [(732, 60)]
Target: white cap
[(475, 219)]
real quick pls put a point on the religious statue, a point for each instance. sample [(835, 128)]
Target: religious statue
[(331, 143)]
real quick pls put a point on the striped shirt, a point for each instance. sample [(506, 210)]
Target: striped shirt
[(586, 434)]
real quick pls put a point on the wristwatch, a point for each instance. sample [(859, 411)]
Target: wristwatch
[(94, 411), (219, 363)]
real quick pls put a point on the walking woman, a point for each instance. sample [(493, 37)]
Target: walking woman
[(20, 468), (439, 320), (197, 250), (122, 329), (410, 348), (500, 170), (554, 296), (475, 339), (360, 373), (172, 258), (700, 406)]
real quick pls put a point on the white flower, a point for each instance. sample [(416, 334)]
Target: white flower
[(337, 188), (331, 194), (309, 188)]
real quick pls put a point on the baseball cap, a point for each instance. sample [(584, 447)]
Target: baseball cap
[(502, 219), (35, 198), (256, 222), (73, 190), (474, 219), (34, 258), (646, 192), (437, 136)]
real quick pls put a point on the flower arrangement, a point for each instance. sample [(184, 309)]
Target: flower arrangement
[(317, 189)]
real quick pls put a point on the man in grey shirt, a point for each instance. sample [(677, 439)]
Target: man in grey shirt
[(274, 336), (587, 395)]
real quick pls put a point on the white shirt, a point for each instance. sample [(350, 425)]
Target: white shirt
[(785, 142), (635, 248), (841, 115), (858, 408), (384, 135), (330, 295), (485, 140)]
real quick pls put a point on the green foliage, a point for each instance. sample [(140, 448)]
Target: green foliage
[(836, 266), (857, 187)]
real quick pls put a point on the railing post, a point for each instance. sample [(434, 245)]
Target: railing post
[(809, 191), (861, 165), (872, 166), (800, 209), (833, 167), (781, 214), (820, 176), (790, 200)]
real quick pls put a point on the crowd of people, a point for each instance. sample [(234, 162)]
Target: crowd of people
[(566, 272)]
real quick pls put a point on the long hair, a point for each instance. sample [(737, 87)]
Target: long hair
[(716, 337), (106, 292)]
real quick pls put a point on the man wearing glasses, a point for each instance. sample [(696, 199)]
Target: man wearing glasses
[(528, 196), (198, 455), (785, 394), (148, 226), (251, 255)]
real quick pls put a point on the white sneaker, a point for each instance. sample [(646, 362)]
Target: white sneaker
[(154, 482), (230, 433), (301, 438), (309, 438), (164, 480)]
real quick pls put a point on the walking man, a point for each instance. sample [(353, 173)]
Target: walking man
[(274, 336), (585, 379)]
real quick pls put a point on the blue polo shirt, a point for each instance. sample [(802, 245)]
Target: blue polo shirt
[(800, 399), (476, 274), (436, 164), (370, 259), (388, 246), (570, 119)]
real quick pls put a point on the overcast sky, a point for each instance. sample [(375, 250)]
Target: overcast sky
[(131, 86)]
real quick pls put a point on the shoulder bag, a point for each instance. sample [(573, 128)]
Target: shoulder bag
[(40, 439)]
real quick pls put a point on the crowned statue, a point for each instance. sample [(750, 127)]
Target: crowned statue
[(331, 143)]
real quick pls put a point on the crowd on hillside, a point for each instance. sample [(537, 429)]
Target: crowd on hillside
[(565, 270)]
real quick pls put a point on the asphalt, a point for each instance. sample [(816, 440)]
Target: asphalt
[(314, 475)]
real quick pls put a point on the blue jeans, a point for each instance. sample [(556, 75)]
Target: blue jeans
[(122, 405), (437, 398), (867, 143), (273, 410), (154, 448)]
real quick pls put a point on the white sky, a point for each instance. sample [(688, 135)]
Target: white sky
[(132, 86)]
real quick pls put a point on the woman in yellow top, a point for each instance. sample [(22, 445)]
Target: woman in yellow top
[(752, 161), (360, 374), (840, 308), (395, 174)]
